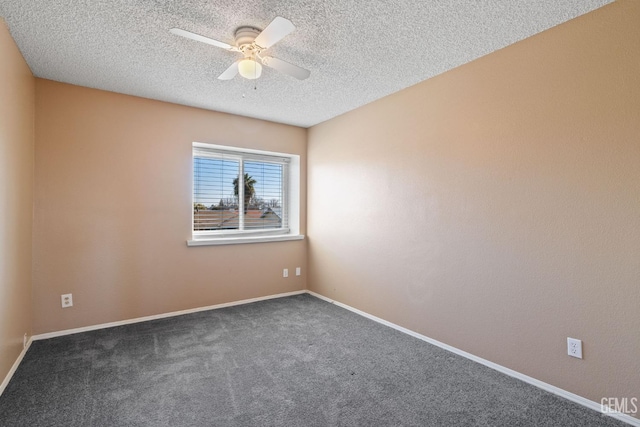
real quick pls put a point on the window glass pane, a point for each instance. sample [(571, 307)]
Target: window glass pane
[(263, 195), (215, 207), (220, 175)]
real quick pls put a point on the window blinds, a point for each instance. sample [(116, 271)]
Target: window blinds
[(238, 192)]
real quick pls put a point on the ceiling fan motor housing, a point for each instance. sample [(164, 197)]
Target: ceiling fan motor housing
[(245, 37)]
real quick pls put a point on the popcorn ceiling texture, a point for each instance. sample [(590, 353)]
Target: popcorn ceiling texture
[(357, 51)]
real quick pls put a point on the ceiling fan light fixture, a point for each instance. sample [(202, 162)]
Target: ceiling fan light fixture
[(249, 69)]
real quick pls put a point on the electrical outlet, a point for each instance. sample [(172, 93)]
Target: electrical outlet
[(285, 272), (67, 300), (574, 348), (297, 271)]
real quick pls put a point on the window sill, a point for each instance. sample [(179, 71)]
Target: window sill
[(243, 240)]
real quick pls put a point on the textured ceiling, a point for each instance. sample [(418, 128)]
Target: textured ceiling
[(357, 51)]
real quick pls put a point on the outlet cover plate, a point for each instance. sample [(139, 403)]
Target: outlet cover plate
[(574, 348), (66, 300)]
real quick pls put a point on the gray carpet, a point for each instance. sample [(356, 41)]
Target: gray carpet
[(295, 361)]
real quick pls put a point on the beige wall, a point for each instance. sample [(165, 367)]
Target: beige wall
[(113, 210), (496, 207), (16, 199)]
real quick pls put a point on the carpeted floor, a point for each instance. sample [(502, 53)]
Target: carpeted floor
[(295, 361)]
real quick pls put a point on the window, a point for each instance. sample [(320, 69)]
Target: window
[(244, 195)]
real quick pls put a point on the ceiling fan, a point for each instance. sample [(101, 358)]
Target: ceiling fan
[(252, 43)]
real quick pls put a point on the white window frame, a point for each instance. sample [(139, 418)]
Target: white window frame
[(291, 199)]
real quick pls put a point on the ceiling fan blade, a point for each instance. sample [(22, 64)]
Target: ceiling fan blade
[(203, 39), (286, 67), (275, 31), (230, 72)]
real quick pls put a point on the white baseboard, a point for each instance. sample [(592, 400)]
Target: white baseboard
[(13, 369), (160, 316), (540, 384)]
